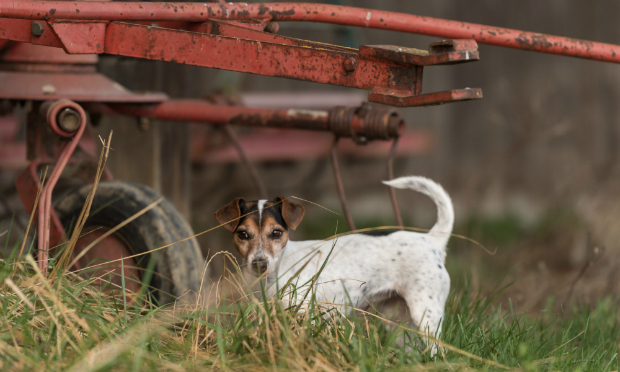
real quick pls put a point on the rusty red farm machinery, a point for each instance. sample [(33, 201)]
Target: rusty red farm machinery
[(48, 55)]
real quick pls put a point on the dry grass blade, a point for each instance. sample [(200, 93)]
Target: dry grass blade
[(492, 253), (564, 344), (318, 205), (19, 293), (107, 352), (112, 231), (67, 254), (14, 352), (34, 211)]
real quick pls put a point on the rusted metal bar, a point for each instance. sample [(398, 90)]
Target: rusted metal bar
[(334, 14), (392, 74), (363, 123), (309, 100), (58, 119), (391, 190), (201, 111), (339, 185), (260, 186), (374, 68)]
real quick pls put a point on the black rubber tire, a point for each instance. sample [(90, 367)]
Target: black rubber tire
[(179, 267)]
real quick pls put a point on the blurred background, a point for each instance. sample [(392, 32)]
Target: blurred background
[(532, 167)]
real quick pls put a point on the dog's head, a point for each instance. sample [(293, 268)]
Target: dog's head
[(260, 227)]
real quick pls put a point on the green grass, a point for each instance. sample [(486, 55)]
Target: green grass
[(66, 323)]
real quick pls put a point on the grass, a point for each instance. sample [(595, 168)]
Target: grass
[(67, 323)]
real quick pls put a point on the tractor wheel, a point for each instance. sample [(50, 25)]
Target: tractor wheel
[(178, 268)]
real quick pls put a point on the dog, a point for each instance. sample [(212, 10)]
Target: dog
[(361, 270)]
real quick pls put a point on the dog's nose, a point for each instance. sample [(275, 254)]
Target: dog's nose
[(259, 265)]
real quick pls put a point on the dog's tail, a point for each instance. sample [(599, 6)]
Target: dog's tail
[(445, 212)]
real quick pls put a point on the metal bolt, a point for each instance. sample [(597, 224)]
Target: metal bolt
[(144, 123), (272, 27), (68, 120), (350, 64), (48, 89), (37, 28)]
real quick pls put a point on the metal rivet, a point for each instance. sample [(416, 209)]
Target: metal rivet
[(48, 89), (272, 27), (350, 64), (37, 28), (144, 123)]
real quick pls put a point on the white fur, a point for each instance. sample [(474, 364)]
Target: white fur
[(363, 268), (260, 206), (259, 253)]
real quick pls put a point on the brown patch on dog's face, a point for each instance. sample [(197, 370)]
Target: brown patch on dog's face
[(263, 231)]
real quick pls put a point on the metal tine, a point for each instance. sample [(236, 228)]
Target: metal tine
[(260, 186), (343, 199), (392, 191)]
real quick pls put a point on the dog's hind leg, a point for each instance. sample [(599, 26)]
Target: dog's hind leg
[(426, 302)]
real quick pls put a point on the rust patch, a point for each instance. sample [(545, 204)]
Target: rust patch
[(252, 120), (536, 42), (281, 15), (262, 9), (215, 28)]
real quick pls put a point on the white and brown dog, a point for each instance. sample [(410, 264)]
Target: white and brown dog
[(362, 269)]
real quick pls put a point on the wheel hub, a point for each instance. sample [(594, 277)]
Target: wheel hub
[(106, 256)]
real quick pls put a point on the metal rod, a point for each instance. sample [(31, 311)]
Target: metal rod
[(45, 203), (390, 167), (262, 191), (200, 111), (343, 199), (308, 12), (374, 123)]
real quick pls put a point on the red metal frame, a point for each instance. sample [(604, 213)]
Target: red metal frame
[(392, 74), (308, 12)]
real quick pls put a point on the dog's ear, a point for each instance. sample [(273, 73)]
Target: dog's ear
[(292, 213), (230, 212)]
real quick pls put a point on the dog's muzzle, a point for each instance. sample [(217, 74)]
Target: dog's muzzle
[(259, 266)]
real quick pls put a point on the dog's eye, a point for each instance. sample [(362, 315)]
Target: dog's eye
[(276, 234), (243, 235)]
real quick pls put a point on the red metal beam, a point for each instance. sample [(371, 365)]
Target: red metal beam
[(391, 98), (343, 15), (392, 74), (387, 71), (243, 55)]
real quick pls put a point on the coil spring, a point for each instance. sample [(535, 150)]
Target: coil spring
[(365, 123)]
